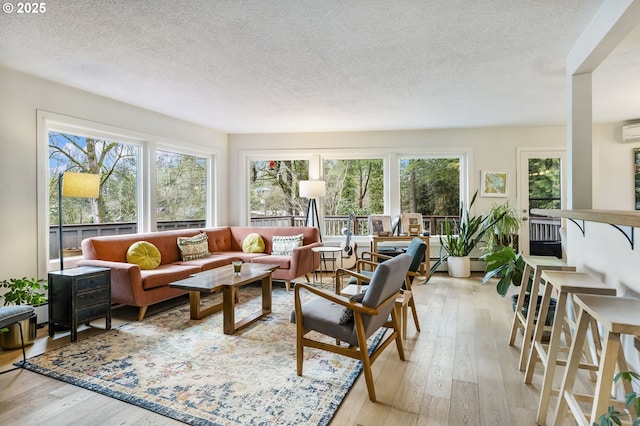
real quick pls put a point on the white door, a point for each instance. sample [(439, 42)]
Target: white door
[(542, 177)]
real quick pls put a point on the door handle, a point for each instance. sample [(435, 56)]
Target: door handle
[(525, 218)]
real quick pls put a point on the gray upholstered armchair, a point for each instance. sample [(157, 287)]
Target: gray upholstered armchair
[(370, 261), (351, 321)]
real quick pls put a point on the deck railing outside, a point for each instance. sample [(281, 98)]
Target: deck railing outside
[(540, 228)]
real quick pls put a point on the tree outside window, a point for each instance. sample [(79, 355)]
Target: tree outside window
[(354, 186), (273, 189), (430, 186), (117, 165), (181, 186)]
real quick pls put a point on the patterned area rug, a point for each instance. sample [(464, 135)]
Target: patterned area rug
[(192, 372)]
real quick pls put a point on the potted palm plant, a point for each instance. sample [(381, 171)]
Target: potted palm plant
[(455, 247), (22, 291)]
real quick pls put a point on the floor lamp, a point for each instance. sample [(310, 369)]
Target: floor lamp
[(313, 189), (80, 185)]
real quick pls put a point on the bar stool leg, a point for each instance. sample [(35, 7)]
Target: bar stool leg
[(531, 314), (517, 316), (602, 396), (552, 351), (575, 353)]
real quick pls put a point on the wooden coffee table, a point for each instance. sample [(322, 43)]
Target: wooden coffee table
[(223, 278)]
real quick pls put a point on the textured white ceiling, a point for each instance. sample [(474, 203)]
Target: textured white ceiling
[(324, 65)]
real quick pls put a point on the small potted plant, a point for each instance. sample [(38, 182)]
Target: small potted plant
[(22, 291)]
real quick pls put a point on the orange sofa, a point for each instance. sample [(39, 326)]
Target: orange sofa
[(133, 286)]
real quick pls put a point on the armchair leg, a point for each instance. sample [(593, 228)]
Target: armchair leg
[(364, 357), (287, 285), (299, 356), (412, 304), (395, 321)]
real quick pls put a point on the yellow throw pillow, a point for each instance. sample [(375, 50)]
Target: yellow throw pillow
[(253, 243), (144, 254)]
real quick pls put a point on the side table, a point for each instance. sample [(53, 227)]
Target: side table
[(424, 266), (323, 250), (79, 295)]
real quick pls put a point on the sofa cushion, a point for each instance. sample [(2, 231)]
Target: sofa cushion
[(284, 245), (253, 243), (283, 262), (144, 254), (195, 247)]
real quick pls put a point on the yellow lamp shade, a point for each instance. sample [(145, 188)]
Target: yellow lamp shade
[(81, 185)]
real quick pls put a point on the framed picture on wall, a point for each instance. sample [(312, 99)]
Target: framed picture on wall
[(494, 184)]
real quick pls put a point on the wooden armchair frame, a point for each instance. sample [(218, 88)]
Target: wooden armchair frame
[(360, 352), (369, 265)]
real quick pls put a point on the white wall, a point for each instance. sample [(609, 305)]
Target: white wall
[(20, 96), (604, 250)]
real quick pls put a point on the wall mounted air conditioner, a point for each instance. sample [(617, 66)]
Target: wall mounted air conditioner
[(631, 131)]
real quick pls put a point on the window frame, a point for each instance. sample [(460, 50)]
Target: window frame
[(146, 172), (390, 165)]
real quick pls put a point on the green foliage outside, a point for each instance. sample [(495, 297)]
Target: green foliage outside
[(181, 181), (354, 186), (544, 183), (430, 186), (273, 187)]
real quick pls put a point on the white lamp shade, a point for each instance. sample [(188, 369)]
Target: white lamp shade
[(312, 188), (81, 185)]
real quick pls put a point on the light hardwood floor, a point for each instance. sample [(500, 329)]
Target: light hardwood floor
[(458, 371)]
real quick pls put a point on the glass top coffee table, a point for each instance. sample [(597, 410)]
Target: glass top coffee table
[(224, 278)]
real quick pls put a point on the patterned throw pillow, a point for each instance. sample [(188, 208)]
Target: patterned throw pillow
[(253, 243), (283, 246), (144, 254), (195, 247), (347, 315)]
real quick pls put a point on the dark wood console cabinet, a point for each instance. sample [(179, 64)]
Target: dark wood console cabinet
[(79, 295)]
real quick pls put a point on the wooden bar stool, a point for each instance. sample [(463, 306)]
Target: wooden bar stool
[(537, 264), (617, 315), (561, 285)]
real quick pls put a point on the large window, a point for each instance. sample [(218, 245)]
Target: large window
[(359, 185), (430, 186), (273, 192), (117, 165), (182, 187), (353, 187), (142, 188)]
